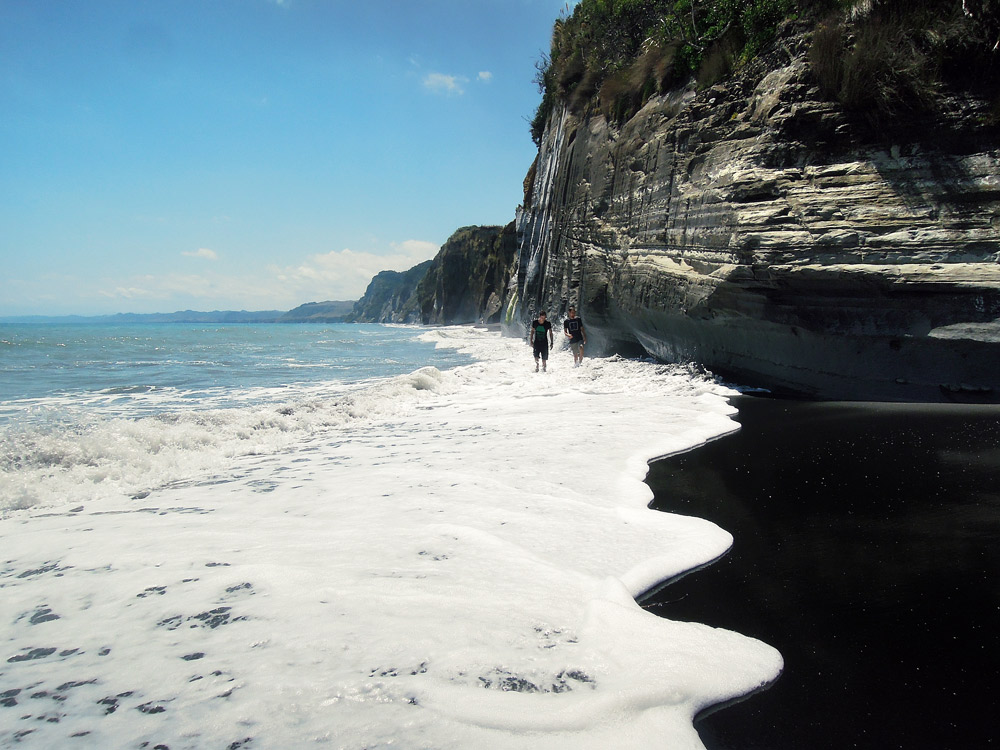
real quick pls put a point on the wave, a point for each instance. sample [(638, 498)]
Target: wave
[(88, 451), (440, 559)]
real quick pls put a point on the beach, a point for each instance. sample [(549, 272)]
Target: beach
[(865, 551), (444, 558)]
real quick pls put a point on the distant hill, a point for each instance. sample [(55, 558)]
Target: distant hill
[(184, 316), (319, 312)]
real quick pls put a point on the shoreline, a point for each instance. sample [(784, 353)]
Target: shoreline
[(380, 531), (861, 533)]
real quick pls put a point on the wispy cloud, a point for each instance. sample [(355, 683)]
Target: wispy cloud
[(344, 274), (338, 274), (485, 76), (201, 252), (448, 85), (130, 292)]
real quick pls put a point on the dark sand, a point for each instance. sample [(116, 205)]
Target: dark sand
[(866, 552)]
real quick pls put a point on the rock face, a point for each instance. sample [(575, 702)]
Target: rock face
[(464, 283), (755, 228), (468, 277), (387, 296)]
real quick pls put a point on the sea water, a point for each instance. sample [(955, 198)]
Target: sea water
[(347, 537)]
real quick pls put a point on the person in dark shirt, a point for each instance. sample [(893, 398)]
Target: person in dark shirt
[(539, 343), (573, 326)]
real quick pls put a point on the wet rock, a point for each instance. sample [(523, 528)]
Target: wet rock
[(214, 618), (43, 614), (35, 653)]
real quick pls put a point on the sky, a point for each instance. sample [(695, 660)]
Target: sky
[(162, 155)]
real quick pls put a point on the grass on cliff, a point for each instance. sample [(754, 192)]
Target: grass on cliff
[(886, 59), (886, 56), (622, 52)]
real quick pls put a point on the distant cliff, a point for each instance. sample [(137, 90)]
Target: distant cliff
[(387, 298), (758, 220), (318, 312), (464, 283)]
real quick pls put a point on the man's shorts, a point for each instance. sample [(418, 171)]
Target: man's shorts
[(541, 349), (576, 346)]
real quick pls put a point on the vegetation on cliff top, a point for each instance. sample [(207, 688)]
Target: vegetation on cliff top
[(881, 55)]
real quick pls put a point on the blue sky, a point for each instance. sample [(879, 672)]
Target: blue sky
[(160, 155)]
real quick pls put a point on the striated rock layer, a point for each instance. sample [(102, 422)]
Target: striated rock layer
[(756, 229), (386, 300), (467, 277), (463, 283)]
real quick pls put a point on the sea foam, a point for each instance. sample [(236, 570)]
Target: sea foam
[(438, 560)]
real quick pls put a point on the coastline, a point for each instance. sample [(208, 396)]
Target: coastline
[(378, 567), (863, 554)]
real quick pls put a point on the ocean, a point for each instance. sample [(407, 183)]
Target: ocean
[(347, 536)]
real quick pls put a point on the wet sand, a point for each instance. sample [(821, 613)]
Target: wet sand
[(866, 552)]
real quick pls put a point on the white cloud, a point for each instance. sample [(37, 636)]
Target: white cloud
[(440, 83), (132, 292), (485, 76), (201, 252), (338, 274), (345, 274)]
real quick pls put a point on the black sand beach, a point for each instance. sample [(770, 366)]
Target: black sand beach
[(865, 551)]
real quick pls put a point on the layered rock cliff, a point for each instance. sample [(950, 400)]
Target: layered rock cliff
[(464, 283), (387, 297), (760, 229)]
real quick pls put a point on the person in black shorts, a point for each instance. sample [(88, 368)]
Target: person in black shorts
[(539, 343), (573, 326)]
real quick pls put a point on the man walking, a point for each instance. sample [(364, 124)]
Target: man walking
[(539, 343), (573, 326)]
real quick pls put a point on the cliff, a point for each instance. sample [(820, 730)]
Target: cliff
[(468, 277), (385, 300), (761, 227), (464, 283), (318, 312)]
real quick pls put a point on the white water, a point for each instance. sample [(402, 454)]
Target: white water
[(440, 560)]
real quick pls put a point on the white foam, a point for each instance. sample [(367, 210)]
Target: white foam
[(442, 560)]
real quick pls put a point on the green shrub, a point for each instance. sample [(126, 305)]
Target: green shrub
[(882, 58), (619, 53)]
